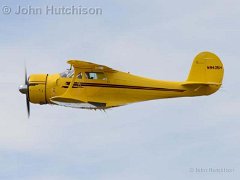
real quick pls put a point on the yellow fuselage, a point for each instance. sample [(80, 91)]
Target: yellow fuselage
[(117, 89)]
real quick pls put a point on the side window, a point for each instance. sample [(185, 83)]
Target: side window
[(96, 75), (91, 75)]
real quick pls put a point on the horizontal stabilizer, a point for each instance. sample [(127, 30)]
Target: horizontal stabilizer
[(189, 83)]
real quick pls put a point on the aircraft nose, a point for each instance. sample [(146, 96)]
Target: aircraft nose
[(23, 89)]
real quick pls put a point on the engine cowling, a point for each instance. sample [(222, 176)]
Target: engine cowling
[(37, 88)]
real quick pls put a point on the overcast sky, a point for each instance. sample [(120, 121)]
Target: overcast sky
[(163, 139)]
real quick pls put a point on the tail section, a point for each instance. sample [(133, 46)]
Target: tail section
[(206, 67), (207, 70)]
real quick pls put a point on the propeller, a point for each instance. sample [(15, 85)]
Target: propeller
[(24, 89), (27, 94)]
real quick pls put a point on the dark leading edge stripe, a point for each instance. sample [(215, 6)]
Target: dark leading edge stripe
[(80, 85)]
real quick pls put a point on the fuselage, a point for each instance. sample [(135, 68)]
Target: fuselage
[(111, 90)]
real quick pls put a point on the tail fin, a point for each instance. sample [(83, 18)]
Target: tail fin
[(207, 69)]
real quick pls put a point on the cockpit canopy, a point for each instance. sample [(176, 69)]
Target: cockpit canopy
[(67, 74)]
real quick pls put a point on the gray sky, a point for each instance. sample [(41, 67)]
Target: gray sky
[(154, 140)]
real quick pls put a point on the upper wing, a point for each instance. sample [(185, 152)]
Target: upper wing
[(89, 65)]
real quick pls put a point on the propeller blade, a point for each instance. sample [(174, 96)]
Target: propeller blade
[(28, 105), (27, 94)]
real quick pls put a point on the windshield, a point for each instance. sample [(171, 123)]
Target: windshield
[(67, 74)]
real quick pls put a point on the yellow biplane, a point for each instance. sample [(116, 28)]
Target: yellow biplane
[(93, 86)]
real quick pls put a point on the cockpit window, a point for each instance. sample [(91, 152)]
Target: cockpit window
[(96, 75), (67, 74)]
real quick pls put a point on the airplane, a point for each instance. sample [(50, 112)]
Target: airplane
[(98, 87)]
